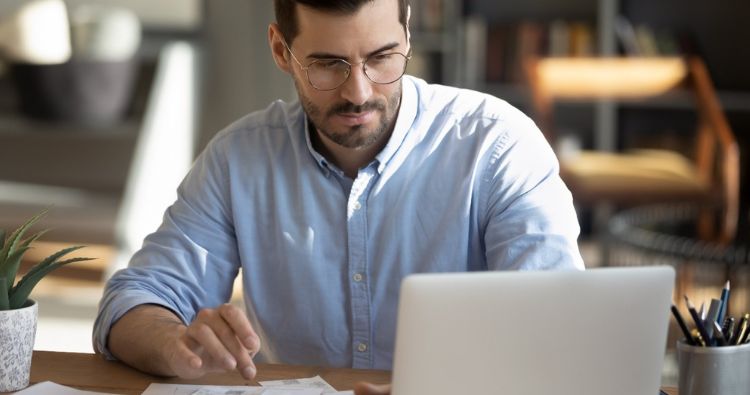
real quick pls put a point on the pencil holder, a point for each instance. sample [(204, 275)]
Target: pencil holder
[(713, 370)]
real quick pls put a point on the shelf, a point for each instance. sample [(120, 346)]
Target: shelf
[(16, 124)]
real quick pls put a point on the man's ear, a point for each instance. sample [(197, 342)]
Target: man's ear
[(278, 50)]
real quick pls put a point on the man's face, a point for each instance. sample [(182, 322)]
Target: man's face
[(359, 112)]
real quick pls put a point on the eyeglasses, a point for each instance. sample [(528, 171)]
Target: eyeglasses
[(329, 74)]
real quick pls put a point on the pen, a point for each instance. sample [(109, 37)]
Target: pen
[(741, 332), (678, 317), (724, 302), (720, 339), (697, 338), (746, 332), (728, 328), (698, 322)]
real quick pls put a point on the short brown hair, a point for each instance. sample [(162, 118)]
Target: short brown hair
[(286, 12)]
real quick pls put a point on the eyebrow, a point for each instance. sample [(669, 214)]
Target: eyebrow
[(327, 55)]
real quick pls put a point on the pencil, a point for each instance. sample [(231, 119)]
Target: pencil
[(678, 317), (724, 302), (698, 322)]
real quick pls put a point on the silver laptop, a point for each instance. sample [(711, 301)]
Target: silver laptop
[(601, 331)]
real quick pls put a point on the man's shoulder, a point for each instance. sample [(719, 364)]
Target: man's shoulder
[(273, 122), (461, 102)]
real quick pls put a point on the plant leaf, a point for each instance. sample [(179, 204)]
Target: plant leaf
[(4, 303), (10, 269), (34, 238), (21, 230), (2, 238), (12, 241), (51, 259), (20, 293)]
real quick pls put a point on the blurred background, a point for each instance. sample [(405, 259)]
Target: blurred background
[(104, 104)]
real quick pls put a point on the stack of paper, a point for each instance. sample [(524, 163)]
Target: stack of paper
[(304, 386)]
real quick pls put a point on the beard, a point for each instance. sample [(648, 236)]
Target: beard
[(358, 136)]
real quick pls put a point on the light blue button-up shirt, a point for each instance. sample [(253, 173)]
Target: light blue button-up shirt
[(466, 182)]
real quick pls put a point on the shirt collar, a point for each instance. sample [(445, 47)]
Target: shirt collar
[(319, 159), (406, 115)]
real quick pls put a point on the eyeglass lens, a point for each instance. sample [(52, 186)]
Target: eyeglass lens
[(327, 74)]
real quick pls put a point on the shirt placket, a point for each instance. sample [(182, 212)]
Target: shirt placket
[(358, 278)]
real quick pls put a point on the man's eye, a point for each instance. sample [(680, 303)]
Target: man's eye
[(328, 63), (383, 57)]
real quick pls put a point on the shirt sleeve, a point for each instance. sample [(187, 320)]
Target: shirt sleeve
[(189, 263), (531, 223)]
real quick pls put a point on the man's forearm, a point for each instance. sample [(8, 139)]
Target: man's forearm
[(139, 338)]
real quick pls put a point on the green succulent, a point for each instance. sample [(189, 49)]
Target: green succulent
[(11, 253)]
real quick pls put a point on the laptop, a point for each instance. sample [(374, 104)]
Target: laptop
[(600, 331)]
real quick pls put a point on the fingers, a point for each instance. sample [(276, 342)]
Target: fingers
[(224, 339), (214, 336), (363, 388), (183, 361), (241, 327), (243, 337)]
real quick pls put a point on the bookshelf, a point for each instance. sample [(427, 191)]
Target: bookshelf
[(436, 37), (709, 29), (714, 31)]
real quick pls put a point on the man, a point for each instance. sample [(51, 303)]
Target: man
[(328, 202)]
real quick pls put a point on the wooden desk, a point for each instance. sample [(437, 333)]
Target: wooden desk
[(91, 372)]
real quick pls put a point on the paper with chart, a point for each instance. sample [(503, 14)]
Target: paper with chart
[(309, 382), (185, 389), (302, 386)]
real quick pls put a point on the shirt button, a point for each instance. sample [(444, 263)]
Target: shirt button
[(357, 206), (357, 277), (362, 347)]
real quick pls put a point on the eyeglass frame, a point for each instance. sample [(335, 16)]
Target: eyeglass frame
[(349, 72)]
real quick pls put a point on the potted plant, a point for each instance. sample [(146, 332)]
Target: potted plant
[(18, 313)]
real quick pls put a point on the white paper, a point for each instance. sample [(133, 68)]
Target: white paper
[(48, 388), (184, 389), (309, 382)]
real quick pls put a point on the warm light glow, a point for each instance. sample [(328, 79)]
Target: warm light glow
[(605, 77)]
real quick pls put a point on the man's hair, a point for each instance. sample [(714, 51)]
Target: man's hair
[(286, 12)]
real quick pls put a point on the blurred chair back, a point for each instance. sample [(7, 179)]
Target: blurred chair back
[(710, 175)]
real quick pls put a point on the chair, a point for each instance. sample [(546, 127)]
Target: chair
[(710, 176)]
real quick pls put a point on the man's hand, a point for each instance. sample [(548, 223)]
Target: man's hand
[(218, 339), (371, 389), (153, 339)]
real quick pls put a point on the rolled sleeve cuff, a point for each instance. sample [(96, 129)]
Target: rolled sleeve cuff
[(112, 309)]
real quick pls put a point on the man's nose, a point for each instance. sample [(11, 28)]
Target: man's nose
[(358, 88)]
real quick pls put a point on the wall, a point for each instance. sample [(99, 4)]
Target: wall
[(240, 75)]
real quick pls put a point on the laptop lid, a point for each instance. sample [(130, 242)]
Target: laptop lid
[(538, 333)]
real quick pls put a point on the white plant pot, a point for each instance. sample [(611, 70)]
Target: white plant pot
[(17, 331)]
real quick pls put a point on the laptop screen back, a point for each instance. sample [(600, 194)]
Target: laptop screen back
[(567, 333)]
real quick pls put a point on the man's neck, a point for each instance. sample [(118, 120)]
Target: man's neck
[(349, 160)]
